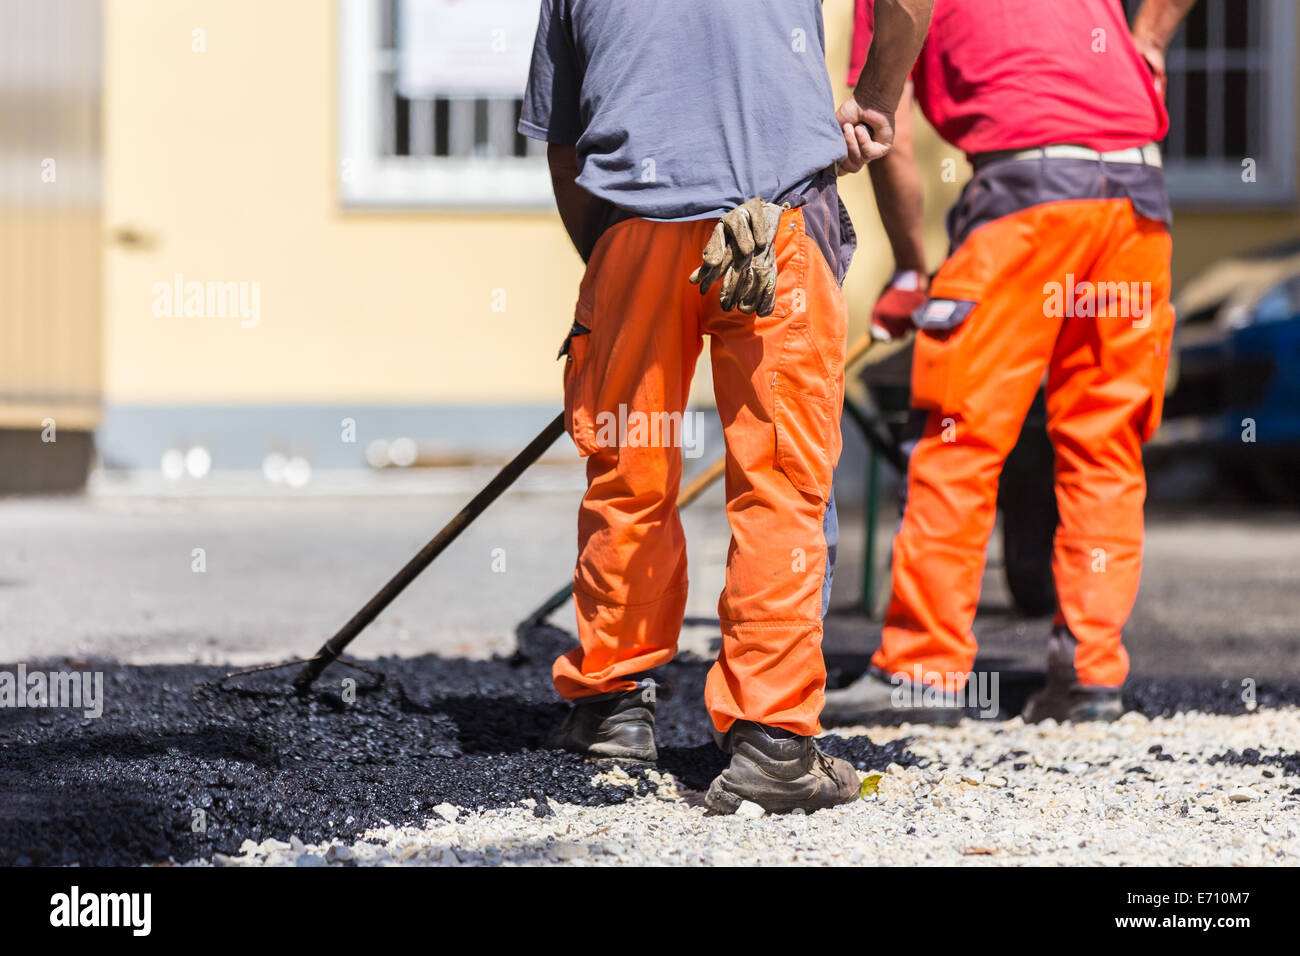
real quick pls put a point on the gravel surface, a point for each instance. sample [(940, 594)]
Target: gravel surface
[(1189, 789), (438, 760)]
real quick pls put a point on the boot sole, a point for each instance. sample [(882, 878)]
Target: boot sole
[(721, 800), (1099, 717), (607, 750), (1036, 710)]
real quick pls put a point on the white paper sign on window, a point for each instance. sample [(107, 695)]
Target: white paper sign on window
[(465, 47)]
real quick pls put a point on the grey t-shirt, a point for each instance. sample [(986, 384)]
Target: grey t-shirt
[(683, 109)]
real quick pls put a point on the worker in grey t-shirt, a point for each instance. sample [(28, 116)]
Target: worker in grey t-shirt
[(676, 126)]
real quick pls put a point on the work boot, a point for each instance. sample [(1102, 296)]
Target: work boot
[(619, 725), (779, 771), (875, 699), (1062, 696)]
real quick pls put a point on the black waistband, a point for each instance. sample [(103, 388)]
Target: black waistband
[(1001, 188)]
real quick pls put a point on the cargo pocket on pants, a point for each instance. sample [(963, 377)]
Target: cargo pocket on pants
[(579, 421), (938, 381), (805, 406)]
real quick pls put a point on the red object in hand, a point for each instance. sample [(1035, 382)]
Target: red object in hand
[(892, 316)]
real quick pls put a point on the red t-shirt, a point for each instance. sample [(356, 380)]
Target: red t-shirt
[(1009, 74)]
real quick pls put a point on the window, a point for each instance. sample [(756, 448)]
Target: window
[(429, 99), (1232, 103)]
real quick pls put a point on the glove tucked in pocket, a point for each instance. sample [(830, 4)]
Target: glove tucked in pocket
[(742, 253)]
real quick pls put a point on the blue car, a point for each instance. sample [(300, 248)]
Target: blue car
[(1235, 379)]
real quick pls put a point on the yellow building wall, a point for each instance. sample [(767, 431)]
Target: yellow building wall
[(221, 166)]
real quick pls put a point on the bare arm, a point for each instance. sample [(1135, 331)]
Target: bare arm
[(1158, 20), (896, 180), (1153, 28), (570, 198), (900, 30)]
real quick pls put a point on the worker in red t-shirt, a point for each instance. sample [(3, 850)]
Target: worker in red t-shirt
[(1058, 268)]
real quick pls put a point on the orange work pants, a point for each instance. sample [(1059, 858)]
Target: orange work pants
[(778, 382), (1078, 291)]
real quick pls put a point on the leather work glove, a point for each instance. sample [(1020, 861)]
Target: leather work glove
[(742, 253), (893, 316)]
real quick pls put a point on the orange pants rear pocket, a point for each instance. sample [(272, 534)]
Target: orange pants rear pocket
[(579, 417)]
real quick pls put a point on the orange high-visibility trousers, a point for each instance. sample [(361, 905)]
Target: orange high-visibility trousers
[(1078, 291), (778, 382)]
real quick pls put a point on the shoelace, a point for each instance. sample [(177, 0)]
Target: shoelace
[(823, 760)]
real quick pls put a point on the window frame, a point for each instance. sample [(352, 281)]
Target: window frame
[(1216, 183), (368, 179)]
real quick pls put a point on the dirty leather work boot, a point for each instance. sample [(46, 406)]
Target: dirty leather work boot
[(875, 699), (779, 771), (620, 724), (1063, 697)]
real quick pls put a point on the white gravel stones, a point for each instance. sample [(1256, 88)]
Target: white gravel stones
[(749, 811), (569, 851), (990, 793)]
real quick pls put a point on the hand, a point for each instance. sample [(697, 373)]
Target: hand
[(1154, 55), (868, 134), (906, 292)]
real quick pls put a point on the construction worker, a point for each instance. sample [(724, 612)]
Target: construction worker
[(707, 126), (1058, 268)]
